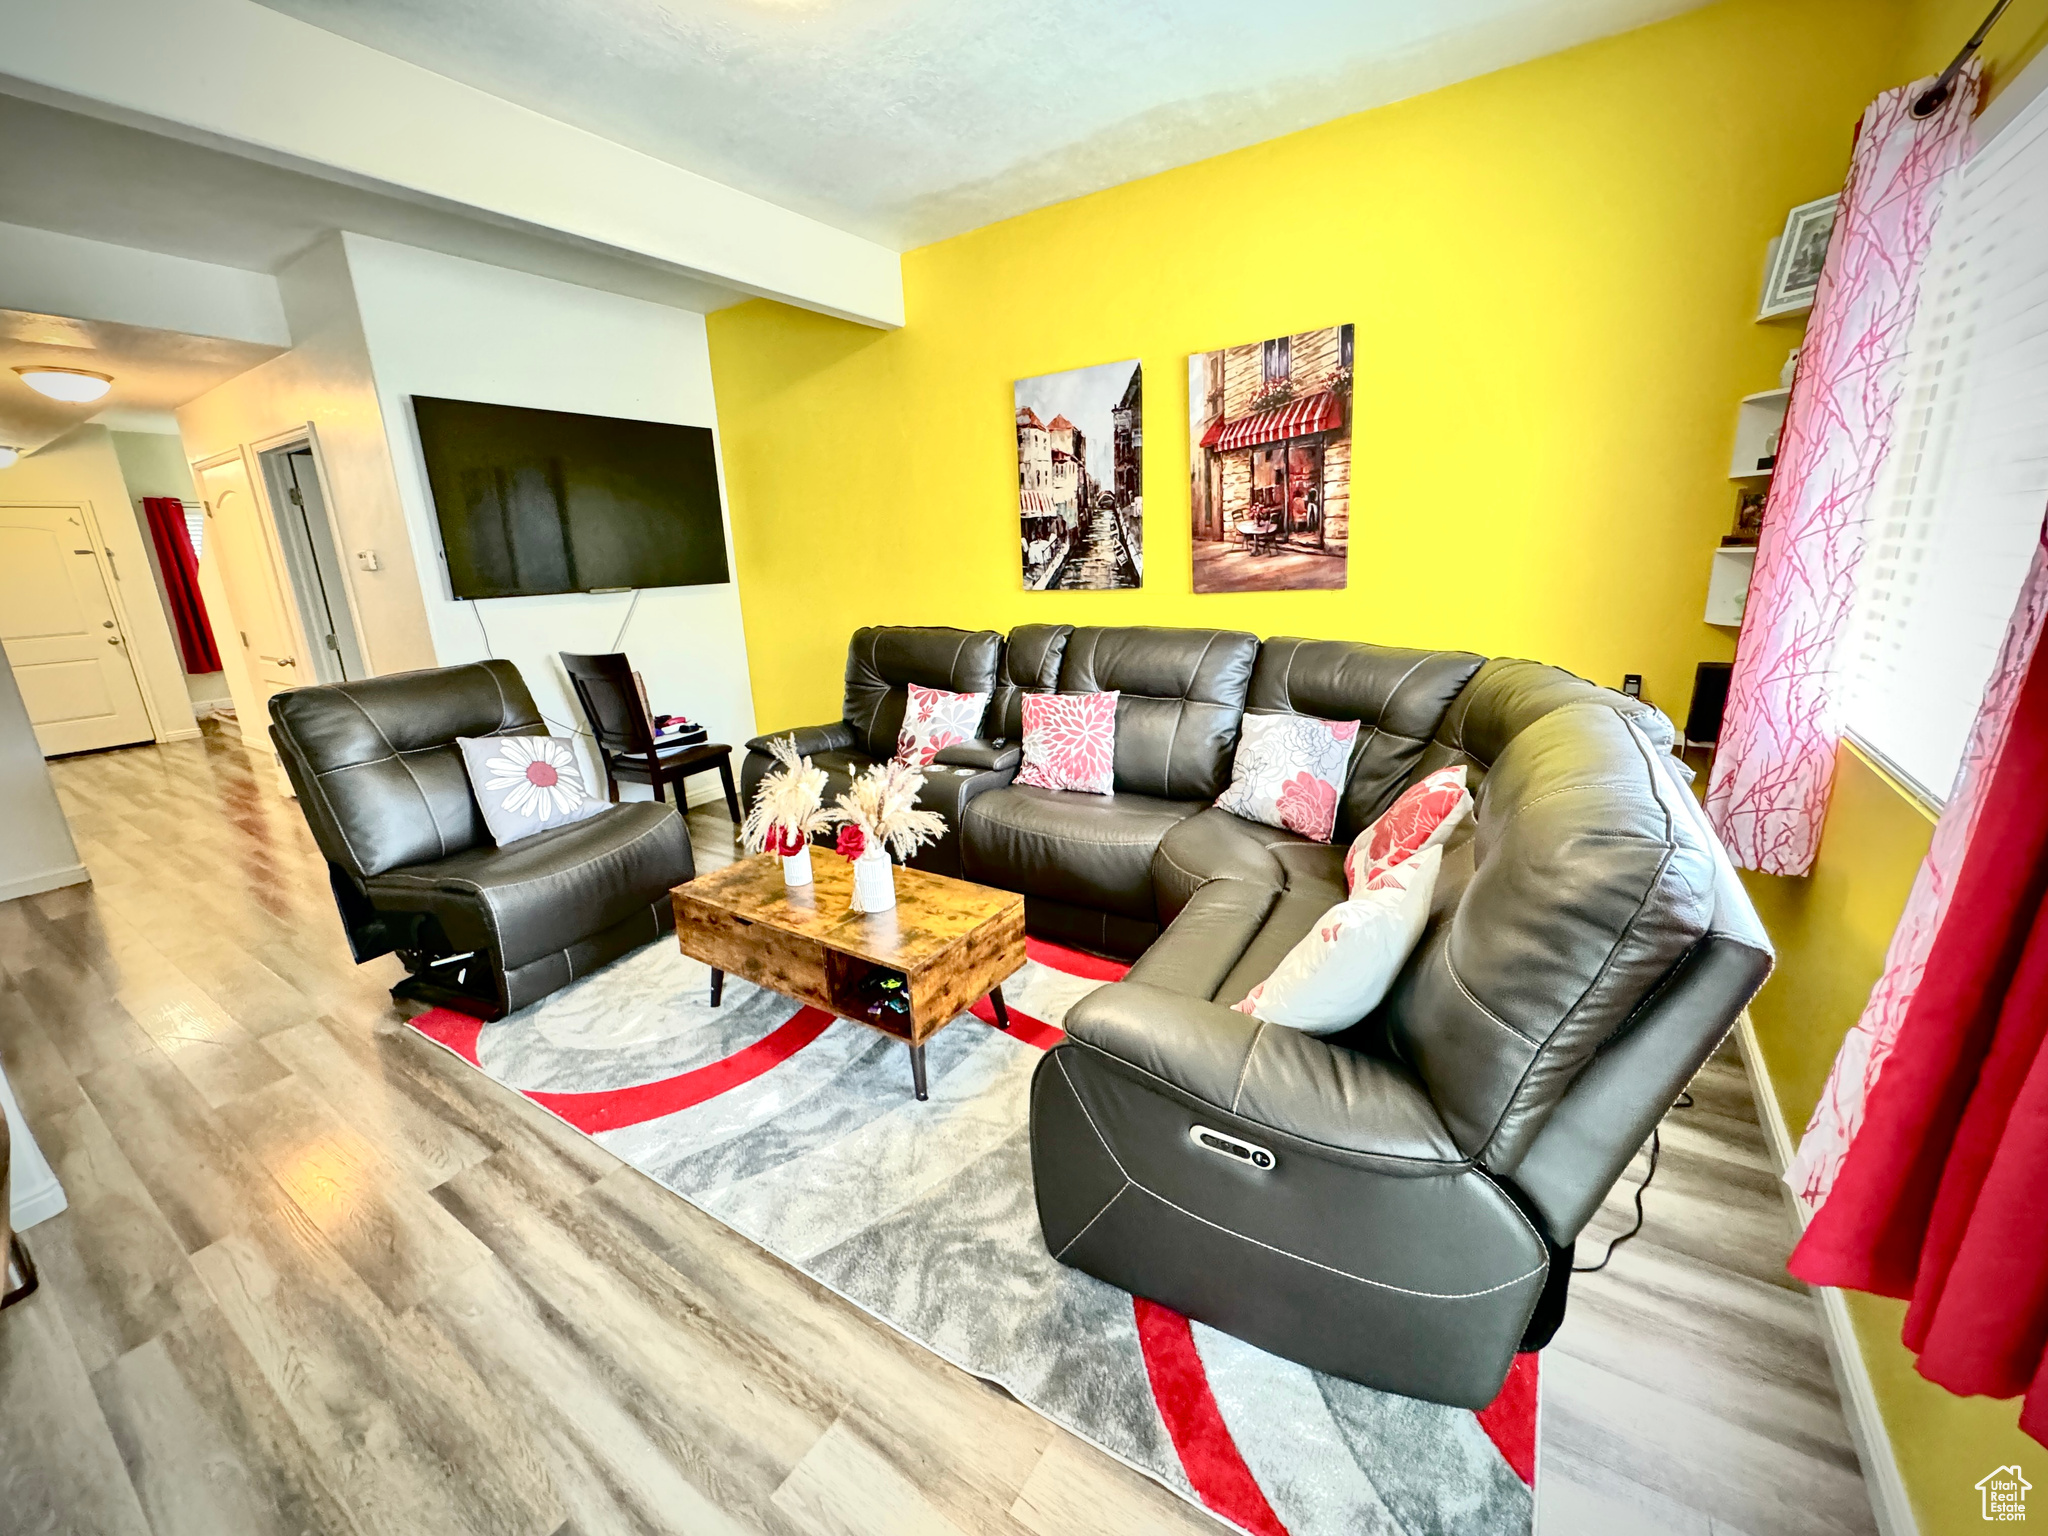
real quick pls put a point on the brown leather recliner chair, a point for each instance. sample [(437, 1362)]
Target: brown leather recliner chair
[(415, 871)]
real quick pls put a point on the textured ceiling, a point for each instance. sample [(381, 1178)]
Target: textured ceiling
[(910, 120), (153, 371)]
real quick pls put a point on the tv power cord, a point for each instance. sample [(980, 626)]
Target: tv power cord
[(1684, 1101)]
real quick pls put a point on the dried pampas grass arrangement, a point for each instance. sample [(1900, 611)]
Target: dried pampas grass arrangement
[(789, 804), (882, 805)]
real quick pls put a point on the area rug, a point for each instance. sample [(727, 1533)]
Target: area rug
[(800, 1131)]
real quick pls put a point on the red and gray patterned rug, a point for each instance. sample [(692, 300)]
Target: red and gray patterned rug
[(800, 1132)]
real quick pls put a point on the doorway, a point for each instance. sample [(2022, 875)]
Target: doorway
[(63, 632), (312, 562)]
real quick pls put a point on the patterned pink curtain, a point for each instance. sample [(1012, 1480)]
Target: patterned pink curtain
[(1776, 760), (1839, 1115)]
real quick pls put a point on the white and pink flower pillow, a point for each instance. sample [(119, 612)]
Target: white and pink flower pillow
[(1425, 816), (1289, 771), (933, 720), (1340, 969), (525, 784), (1070, 742)]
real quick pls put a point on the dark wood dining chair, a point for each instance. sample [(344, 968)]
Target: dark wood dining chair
[(615, 704)]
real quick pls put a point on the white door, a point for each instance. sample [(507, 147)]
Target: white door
[(262, 624), (70, 657)]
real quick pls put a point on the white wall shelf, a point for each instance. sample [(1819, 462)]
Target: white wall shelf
[(1759, 421), (1728, 583)]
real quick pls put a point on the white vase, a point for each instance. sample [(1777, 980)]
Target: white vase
[(796, 867), (874, 882)]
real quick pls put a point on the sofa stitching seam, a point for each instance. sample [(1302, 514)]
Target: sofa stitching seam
[(1345, 1274), (1606, 963), (1089, 1114), (419, 788), (1180, 713), (1453, 1165), (1245, 1070), (1382, 1285), (1451, 966), (1112, 1200)]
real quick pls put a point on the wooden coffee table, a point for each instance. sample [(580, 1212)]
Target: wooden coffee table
[(946, 943)]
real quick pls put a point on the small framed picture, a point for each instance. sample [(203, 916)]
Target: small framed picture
[(1792, 270)]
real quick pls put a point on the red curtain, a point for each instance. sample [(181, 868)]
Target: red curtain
[(1939, 1199), (181, 582)]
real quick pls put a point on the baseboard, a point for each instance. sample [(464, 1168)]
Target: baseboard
[(204, 707), (39, 1203), (45, 880), (192, 734), (1888, 1498)]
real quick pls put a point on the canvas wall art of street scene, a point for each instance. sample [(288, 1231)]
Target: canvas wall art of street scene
[(1080, 489), (1270, 430)]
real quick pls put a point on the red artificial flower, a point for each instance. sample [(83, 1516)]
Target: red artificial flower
[(852, 842)]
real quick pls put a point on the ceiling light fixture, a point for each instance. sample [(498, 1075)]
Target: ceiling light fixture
[(8, 455), (74, 386)]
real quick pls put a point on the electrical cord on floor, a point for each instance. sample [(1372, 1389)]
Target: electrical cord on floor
[(1684, 1101)]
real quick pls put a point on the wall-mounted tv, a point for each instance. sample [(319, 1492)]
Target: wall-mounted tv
[(533, 502)]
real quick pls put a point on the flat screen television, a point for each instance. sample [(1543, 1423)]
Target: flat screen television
[(533, 502)]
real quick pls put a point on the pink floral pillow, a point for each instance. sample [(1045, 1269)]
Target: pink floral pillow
[(1427, 813), (934, 719), (1289, 771), (1070, 742)]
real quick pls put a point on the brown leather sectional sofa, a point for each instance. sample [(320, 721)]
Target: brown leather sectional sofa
[(1428, 1170)]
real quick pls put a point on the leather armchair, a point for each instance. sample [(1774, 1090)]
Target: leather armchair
[(413, 868)]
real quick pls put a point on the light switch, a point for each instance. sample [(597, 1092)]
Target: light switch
[(366, 559)]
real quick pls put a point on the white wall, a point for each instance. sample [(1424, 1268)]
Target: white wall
[(440, 325), (324, 380), (80, 467), (53, 274), (253, 81), (36, 851)]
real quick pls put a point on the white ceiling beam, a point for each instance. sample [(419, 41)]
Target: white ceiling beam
[(52, 274), (254, 81)]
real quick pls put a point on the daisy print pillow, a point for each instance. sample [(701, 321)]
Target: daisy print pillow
[(1288, 772), (525, 784)]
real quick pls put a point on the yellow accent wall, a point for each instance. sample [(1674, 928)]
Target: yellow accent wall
[(1552, 270), (1831, 927), (1935, 29)]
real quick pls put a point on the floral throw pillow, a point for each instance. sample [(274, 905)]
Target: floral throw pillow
[(1341, 968), (525, 784), (1427, 813), (1070, 742), (1289, 771), (934, 719)]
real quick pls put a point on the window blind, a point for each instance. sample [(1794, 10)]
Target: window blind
[(1961, 505)]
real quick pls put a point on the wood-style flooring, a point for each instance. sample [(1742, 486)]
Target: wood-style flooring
[(318, 1276)]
